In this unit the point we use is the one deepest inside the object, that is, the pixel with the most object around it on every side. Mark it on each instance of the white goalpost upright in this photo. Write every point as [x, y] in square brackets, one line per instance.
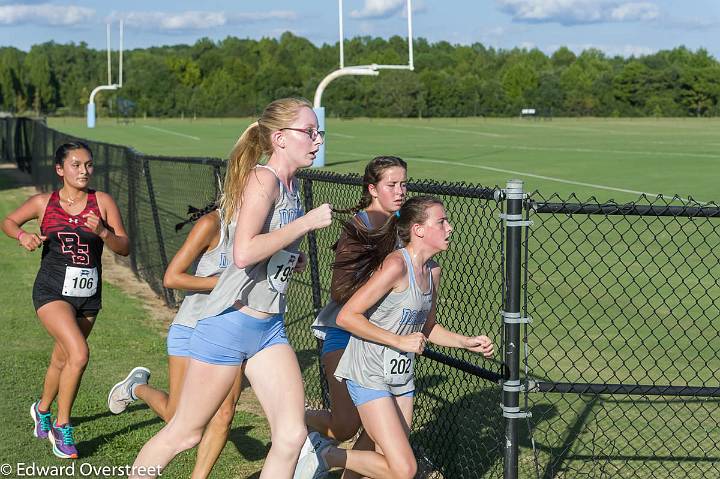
[368, 70]
[110, 85]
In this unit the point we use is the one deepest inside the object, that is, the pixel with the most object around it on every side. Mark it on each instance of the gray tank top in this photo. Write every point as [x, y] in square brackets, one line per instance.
[251, 285]
[327, 317]
[212, 263]
[377, 366]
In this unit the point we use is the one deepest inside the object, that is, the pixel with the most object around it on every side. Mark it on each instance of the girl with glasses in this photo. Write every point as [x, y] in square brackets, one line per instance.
[243, 318]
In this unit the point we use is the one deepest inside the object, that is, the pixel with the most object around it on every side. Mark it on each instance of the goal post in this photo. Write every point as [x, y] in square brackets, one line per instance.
[367, 70]
[110, 85]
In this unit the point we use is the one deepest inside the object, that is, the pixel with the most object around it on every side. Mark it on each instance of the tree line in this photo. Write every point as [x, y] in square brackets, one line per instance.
[237, 77]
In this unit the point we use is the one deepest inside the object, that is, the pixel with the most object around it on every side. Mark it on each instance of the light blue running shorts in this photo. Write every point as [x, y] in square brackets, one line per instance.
[232, 337]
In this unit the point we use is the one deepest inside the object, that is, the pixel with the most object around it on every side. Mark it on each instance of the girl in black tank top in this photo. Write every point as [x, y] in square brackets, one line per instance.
[76, 222]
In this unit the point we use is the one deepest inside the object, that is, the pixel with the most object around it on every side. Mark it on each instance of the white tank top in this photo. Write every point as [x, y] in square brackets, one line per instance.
[251, 285]
[377, 366]
[212, 263]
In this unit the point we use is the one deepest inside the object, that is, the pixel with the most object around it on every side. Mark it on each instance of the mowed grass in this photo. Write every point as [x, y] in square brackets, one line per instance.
[607, 158]
[123, 338]
[613, 300]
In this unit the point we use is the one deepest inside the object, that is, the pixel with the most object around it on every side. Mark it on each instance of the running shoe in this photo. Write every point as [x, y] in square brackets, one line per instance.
[42, 420]
[312, 464]
[61, 437]
[121, 395]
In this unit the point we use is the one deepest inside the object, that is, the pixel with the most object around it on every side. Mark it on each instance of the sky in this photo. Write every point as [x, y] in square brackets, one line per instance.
[617, 27]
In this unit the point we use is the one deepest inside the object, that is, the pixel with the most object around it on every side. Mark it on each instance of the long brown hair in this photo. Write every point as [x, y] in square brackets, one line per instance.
[376, 244]
[373, 174]
[254, 144]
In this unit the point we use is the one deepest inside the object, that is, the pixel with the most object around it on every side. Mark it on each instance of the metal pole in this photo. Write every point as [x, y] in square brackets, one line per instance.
[342, 35]
[511, 388]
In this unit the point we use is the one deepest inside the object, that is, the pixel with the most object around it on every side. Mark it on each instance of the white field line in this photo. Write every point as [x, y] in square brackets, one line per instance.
[171, 132]
[451, 130]
[529, 175]
[342, 135]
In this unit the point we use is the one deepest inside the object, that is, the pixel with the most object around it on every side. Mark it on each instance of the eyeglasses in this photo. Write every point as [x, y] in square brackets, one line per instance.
[313, 133]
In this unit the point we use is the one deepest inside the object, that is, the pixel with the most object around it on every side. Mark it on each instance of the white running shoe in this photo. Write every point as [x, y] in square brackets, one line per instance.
[311, 464]
[121, 395]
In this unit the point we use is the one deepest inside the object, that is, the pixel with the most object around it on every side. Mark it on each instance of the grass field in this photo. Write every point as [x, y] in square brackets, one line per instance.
[606, 158]
[614, 300]
[123, 338]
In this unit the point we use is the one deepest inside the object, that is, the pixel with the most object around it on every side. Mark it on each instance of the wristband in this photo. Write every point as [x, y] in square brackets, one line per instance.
[20, 234]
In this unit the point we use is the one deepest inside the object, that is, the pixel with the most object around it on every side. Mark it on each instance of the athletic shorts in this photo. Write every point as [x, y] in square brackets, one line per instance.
[178, 340]
[233, 337]
[44, 292]
[360, 395]
[335, 339]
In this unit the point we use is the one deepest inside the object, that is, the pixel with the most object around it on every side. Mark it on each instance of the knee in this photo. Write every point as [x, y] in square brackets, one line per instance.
[182, 439]
[57, 361]
[223, 418]
[290, 438]
[405, 469]
[78, 359]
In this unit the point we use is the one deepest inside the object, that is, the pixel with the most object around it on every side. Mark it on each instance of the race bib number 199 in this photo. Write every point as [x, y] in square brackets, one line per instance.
[397, 367]
[80, 282]
[279, 270]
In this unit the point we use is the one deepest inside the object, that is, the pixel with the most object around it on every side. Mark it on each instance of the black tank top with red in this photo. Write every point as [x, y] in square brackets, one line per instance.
[71, 254]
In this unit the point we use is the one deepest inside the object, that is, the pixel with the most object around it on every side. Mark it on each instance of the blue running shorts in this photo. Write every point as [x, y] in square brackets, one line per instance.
[360, 395]
[178, 340]
[335, 339]
[233, 337]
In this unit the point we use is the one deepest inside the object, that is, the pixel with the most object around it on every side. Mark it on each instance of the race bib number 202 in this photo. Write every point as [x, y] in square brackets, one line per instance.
[397, 366]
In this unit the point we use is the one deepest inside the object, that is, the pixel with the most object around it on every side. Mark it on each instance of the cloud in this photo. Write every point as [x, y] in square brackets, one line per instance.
[195, 20]
[579, 12]
[378, 9]
[44, 14]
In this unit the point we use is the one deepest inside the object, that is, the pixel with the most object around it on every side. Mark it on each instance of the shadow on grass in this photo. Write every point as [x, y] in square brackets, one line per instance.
[248, 447]
[82, 419]
[89, 448]
[465, 436]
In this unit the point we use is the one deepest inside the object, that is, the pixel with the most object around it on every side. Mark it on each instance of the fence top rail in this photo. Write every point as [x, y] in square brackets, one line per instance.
[429, 187]
[627, 209]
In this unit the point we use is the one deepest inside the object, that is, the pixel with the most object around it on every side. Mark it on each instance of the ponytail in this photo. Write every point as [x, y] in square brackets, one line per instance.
[375, 245]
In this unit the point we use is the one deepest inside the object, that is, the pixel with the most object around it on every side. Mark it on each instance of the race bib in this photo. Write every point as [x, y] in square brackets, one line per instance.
[80, 282]
[280, 268]
[398, 367]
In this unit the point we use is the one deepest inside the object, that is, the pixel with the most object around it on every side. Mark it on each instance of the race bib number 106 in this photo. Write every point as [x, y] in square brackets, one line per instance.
[80, 282]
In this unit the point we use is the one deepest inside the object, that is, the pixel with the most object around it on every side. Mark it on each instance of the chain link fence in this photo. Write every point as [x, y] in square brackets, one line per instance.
[621, 364]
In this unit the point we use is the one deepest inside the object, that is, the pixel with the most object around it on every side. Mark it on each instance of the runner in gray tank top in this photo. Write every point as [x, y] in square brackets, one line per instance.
[384, 189]
[196, 267]
[391, 317]
[243, 322]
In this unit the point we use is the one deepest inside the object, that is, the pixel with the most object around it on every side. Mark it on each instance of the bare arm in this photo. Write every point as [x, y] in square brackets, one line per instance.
[31, 209]
[250, 246]
[443, 337]
[111, 229]
[203, 236]
[391, 275]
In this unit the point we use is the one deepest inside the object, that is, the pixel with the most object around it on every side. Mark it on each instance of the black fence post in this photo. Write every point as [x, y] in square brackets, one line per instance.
[169, 297]
[512, 319]
[131, 164]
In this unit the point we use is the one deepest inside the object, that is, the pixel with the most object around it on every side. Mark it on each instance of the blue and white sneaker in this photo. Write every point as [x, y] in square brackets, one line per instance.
[63, 441]
[311, 463]
[122, 394]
